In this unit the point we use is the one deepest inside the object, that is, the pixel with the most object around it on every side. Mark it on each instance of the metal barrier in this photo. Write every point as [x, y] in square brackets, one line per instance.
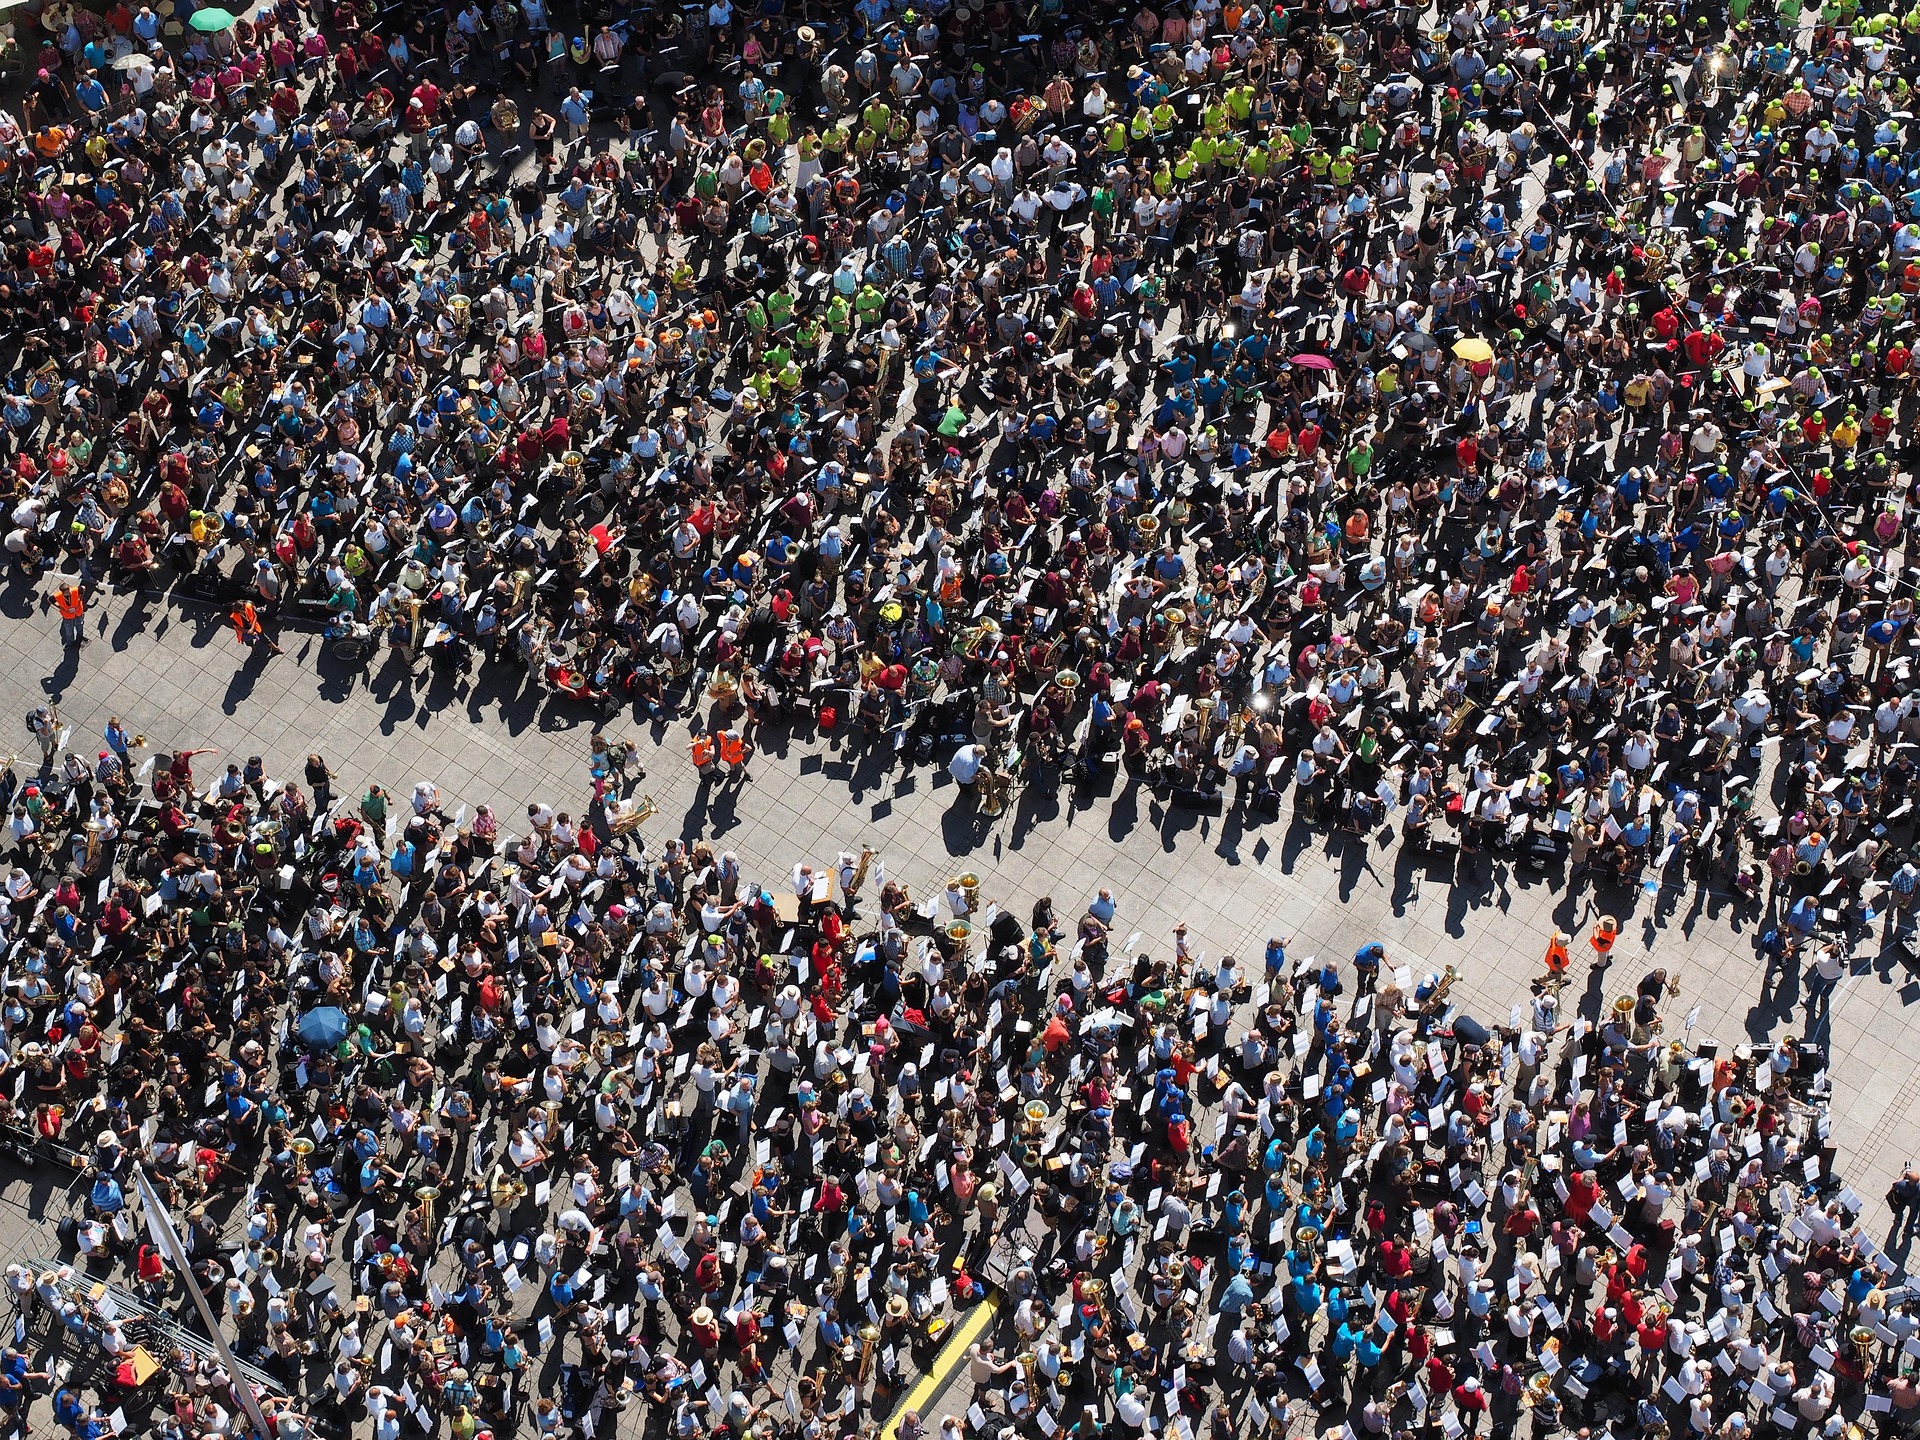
[84, 1290]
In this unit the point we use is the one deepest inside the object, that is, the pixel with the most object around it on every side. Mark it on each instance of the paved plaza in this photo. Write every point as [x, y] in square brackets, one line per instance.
[171, 671]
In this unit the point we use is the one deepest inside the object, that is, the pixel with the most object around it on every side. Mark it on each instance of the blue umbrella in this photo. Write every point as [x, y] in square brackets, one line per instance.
[325, 1026]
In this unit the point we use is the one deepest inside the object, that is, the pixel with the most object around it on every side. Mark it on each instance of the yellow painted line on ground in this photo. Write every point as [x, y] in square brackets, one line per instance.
[945, 1363]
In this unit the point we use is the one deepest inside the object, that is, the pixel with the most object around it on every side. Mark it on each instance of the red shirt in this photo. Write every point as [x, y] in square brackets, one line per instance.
[1474, 1399]
[1582, 1191]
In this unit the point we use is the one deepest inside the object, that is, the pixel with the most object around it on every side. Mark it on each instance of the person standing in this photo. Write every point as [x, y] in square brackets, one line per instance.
[71, 601]
[320, 782]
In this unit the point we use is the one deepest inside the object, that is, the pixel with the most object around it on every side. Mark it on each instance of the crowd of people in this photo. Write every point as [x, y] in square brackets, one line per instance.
[1487, 424]
[562, 1132]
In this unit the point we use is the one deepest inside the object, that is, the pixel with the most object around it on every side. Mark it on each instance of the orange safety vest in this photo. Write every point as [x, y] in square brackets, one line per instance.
[71, 602]
[702, 752]
[1602, 940]
[1556, 956]
[733, 749]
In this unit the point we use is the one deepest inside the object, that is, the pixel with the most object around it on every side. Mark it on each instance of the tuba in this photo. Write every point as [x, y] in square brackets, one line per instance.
[995, 788]
[522, 586]
[95, 839]
[980, 639]
[1461, 716]
[630, 817]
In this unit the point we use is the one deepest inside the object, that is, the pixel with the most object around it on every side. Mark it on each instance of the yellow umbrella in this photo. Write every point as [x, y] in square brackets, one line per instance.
[1473, 350]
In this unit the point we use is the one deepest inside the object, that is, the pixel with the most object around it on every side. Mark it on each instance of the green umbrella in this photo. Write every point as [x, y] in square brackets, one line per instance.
[212, 20]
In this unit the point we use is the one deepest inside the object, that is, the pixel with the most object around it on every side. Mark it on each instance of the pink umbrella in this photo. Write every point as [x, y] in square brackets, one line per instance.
[1312, 362]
